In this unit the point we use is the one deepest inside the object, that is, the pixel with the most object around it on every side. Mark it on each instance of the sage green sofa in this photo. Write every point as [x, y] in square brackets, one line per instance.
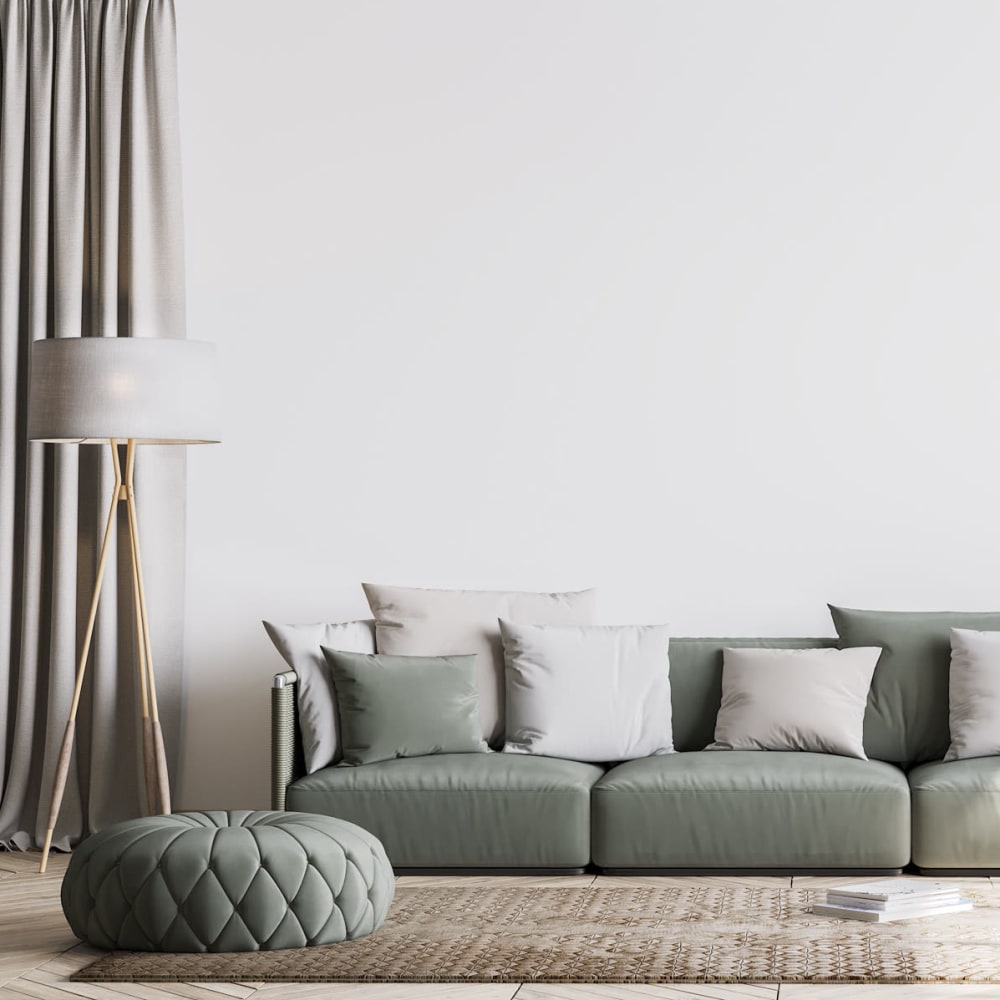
[695, 810]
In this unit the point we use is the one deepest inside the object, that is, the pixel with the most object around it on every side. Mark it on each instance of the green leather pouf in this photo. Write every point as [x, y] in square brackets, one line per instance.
[227, 881]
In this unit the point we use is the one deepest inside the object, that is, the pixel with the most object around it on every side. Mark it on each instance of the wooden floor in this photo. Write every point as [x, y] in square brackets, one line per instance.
[38, 954]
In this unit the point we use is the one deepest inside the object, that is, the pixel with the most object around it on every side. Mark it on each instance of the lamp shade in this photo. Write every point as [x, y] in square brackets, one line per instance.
[87, 390]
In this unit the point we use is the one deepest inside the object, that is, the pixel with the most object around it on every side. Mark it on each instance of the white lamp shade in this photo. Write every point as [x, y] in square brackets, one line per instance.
[88, 390]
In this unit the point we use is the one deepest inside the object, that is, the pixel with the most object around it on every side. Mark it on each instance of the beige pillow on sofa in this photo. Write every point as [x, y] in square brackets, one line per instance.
[795, 699]
[412, 621]
[974, 694]
[315, 694]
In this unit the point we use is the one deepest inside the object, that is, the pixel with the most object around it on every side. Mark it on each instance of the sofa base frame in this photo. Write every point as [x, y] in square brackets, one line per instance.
[958, 872]
[491, 871]
[849, 872]
[652, 872]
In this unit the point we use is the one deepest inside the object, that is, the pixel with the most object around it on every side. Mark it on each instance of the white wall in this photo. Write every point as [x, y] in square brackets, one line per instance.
[695, 302]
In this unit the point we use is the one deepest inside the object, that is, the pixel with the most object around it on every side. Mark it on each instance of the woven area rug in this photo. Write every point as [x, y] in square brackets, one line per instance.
[661, 934]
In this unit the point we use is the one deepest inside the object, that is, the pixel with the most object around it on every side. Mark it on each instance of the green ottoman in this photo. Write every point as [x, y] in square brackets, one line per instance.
[227, 881]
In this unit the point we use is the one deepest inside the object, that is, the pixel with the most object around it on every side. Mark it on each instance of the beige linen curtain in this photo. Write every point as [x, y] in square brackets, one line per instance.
[90, 245]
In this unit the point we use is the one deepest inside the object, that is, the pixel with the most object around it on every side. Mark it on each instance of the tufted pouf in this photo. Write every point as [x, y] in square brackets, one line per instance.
[227, 881]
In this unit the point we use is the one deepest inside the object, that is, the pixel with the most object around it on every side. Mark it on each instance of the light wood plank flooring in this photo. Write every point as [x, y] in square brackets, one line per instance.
[38, 953]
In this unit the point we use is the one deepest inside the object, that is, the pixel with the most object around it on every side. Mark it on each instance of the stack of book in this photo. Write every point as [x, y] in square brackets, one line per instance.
[892, 899]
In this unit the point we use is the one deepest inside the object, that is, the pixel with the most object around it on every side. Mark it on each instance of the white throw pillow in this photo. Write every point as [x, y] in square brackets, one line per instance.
[795, 699]
[597, 693]
[315, 695]
[974, 694]
[412, 621]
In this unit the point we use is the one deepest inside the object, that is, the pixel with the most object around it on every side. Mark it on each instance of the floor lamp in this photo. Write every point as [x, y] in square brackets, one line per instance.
[121, 391]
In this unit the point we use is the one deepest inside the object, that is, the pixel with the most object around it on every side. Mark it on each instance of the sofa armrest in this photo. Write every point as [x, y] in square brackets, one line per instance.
[285, 760]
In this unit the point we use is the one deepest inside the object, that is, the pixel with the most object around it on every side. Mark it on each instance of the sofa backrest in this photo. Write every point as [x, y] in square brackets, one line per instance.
[696, 683]
[906, 721]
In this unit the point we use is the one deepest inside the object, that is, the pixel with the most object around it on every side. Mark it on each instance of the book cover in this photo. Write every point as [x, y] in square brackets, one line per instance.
[893, 905]
[883, 917]
[892, 889]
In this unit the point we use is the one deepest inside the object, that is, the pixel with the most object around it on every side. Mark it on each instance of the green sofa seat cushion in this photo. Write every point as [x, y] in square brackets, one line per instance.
[477, 810]
[226, 881]
[751, 809]
[956, 813]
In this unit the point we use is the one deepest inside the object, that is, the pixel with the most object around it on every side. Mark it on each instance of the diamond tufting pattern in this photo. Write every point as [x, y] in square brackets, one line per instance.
[227, 881]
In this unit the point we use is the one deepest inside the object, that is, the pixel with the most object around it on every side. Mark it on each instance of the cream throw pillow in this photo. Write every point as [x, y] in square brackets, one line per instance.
[795, 699]
[595, 693]
[411, 621]
[315, 695]
[974, 694]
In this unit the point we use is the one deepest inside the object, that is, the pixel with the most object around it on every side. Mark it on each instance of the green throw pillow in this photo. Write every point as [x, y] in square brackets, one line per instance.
[907, 716]
[405, 706]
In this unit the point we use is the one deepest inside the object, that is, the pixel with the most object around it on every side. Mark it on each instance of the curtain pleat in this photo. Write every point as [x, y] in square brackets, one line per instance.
[91, 244]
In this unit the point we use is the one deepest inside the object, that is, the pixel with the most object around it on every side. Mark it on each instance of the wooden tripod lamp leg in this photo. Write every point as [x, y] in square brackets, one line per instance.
[148, 757]
[62, 766]
[146, 659]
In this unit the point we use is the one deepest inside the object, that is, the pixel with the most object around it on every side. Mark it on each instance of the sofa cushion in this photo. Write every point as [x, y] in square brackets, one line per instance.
[956, 813]
[907, 716]
[751, 809]
[463, 810]
[974, 694]
[413, 621]
[317, 701]
[405, 706]
[696, 682]
[587, 692]
[770, 699]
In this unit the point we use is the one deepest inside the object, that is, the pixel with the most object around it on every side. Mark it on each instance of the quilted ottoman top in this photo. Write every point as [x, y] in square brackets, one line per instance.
[227, 881]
